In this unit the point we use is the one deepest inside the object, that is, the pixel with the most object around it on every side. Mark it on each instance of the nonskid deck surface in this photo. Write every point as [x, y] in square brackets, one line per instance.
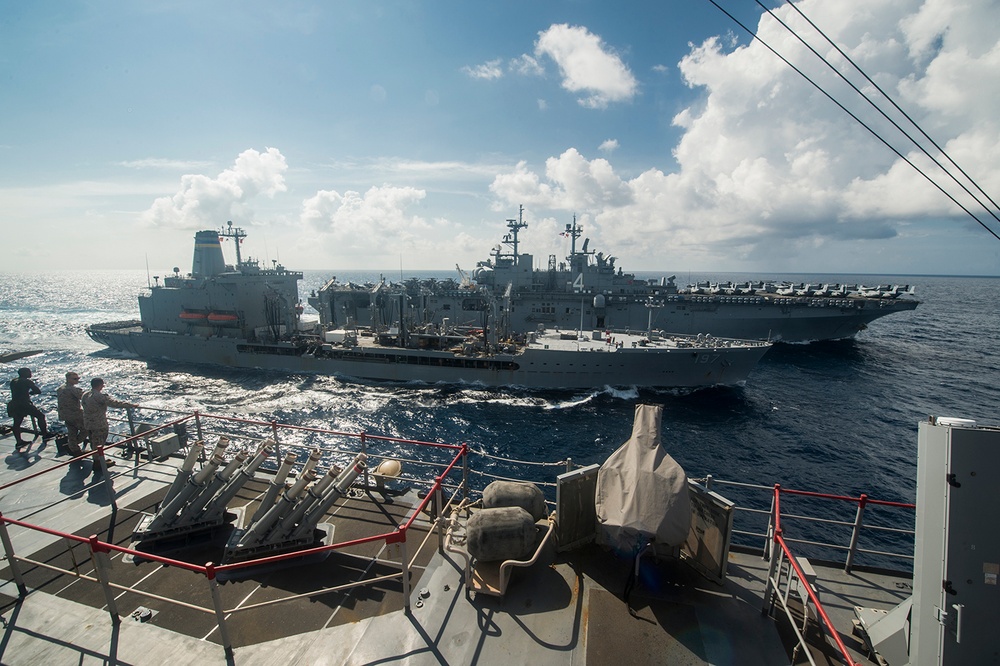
[567, 609]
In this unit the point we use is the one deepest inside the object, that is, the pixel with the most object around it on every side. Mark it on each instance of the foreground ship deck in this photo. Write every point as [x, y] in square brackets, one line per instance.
[568, 608]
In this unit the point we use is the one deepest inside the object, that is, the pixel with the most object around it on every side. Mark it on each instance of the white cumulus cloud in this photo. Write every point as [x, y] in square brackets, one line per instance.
[767, 165]
[573, 183]
[587, 65]
[202, 200]
[526, 65]
[489, 70]
[375, 222]
[608, 146]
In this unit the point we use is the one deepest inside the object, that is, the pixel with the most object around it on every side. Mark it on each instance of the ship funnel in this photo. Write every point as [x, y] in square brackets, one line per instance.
[208, 259]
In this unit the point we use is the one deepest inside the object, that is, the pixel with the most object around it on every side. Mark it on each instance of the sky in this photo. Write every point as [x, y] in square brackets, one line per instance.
[350, 135]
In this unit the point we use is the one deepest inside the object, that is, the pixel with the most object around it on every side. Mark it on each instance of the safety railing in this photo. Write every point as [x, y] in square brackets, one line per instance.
[786, 567]
[455, 460]
[858, 529]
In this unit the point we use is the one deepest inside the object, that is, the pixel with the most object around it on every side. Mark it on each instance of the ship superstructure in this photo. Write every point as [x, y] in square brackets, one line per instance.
[218, 300]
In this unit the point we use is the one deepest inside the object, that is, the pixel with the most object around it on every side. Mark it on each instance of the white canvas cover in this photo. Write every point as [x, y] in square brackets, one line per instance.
[642, 493]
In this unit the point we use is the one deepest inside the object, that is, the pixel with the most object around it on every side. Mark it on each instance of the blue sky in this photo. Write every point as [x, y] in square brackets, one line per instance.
[359, 135]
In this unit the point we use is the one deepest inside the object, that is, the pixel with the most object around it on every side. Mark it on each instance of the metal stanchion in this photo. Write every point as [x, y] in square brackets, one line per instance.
[15, 567]
[465, 471]
[102, 567]
[406, 574]
[220, 616]
[438, 517]
[856, 534]
[769, 589]
[364, 449]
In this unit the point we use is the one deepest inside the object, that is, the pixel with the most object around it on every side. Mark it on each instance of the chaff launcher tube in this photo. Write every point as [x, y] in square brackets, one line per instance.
[168, 512]
[312, 461]
[220, 447]
[184, 473]
[277, 484]
[340, 486]
[219, 503]
[260, 529]
[313, 494]
[220, 479]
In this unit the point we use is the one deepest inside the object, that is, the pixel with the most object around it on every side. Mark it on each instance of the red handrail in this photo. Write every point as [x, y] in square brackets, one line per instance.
[846, 498]
[210, 569]
[815, 599]
[780, 540]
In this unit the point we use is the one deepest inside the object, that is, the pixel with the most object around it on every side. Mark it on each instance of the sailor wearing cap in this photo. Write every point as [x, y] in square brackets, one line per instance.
[71, 412]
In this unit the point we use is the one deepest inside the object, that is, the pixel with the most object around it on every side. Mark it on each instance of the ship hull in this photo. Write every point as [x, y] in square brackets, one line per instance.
[772, 317]
[776, 319]
[536, 367]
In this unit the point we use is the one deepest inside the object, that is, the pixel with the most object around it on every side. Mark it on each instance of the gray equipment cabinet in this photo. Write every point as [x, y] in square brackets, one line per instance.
[956, 609]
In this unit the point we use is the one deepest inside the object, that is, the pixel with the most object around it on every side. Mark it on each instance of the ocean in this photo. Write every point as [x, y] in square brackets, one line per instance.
[836, 417]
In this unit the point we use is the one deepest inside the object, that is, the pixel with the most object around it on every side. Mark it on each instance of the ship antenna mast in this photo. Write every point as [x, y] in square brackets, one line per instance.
[650, 305]
[515, 226]
[573, 232]
[237, 235]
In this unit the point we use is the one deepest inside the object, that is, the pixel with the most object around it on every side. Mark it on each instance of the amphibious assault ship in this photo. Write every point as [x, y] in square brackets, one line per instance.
[589, 292]
[247, 316]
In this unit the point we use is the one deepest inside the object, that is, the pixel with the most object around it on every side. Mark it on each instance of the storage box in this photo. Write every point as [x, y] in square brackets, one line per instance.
[162, 446]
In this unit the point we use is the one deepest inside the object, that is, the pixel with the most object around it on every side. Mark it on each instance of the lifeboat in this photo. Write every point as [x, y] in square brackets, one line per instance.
[193, 317]
[223, 318]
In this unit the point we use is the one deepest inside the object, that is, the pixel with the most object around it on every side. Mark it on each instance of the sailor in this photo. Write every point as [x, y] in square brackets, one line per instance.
[95, 413]
[71, 412]
[22, 388]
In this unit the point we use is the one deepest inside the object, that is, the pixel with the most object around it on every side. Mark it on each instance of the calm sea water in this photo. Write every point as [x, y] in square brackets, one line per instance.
[834, 417]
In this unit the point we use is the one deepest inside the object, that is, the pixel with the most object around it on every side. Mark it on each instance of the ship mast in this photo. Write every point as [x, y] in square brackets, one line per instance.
[237, 234]
[577, 260]
[573, 232]
[515, 226]
[651, 304]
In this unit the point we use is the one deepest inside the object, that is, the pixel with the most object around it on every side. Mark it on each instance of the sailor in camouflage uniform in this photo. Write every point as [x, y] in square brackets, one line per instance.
[95, 412]
[71, 412]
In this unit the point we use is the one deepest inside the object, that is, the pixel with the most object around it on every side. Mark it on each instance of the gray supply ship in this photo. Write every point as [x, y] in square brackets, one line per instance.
[588, 292]
[247, 316]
